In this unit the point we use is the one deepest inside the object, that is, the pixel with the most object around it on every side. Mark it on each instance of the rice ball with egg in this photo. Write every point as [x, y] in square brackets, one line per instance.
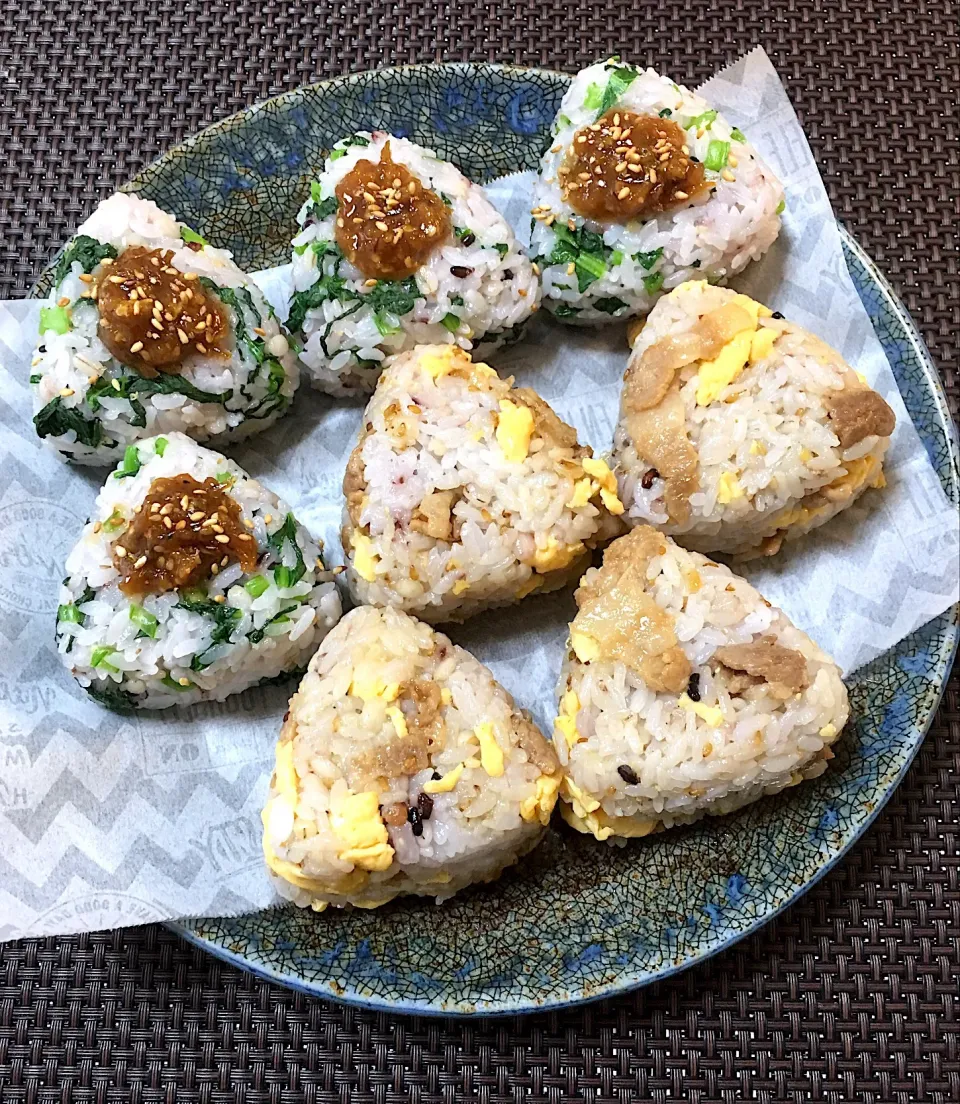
[403, 767]
[739, 429]
[464, 492]
[684, 693]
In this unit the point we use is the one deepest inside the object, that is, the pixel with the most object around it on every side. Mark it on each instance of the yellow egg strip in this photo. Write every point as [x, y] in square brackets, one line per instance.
[446, 783]
[584, 646]
[399, 721]
[514, 430]
[491, 754]
[607, 482]
[539, 805]
[712, 714]
[365, 560]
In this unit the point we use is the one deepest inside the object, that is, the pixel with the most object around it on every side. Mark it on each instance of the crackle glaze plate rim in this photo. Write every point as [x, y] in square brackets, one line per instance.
[245, 941]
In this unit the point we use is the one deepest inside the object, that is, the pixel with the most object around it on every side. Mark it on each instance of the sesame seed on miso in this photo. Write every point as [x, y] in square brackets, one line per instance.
[388, 223]
[152, 316]
[627, 166]
[178, 536]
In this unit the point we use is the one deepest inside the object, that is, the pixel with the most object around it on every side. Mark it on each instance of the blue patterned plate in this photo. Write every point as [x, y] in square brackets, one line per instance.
[576, 922]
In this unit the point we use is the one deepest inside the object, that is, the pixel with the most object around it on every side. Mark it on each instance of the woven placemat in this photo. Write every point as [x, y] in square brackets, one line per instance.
[852, 995]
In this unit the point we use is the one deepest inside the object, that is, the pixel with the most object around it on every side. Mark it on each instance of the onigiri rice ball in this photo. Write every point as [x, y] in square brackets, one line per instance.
[399, 248]
[643, 187]
[149, 329]
[403, 767]
[684, 693]
[464, 492]
[191, 582]
[739, 429]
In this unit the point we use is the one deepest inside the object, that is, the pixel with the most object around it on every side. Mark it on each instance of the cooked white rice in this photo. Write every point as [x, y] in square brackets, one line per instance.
[714, 235]
[403, 767]
[764, 435]
[638, 758]
[156, 652]
[465, 493]
[91, 406]
[476, 290]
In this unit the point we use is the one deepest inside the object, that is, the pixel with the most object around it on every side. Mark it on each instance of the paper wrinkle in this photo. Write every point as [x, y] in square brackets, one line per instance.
[107, 821]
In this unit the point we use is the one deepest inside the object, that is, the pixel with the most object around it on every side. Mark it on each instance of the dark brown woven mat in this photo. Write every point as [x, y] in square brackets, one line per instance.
[850, 996]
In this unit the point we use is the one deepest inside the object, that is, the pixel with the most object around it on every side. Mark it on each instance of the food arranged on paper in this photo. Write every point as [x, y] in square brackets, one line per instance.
[403, 766]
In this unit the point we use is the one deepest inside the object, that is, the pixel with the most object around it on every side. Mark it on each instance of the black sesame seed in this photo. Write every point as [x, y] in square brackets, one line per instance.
[648, 477]
[435, 777]
[776, 314]
[461, 271]
[507, 274]
[468, 239]
[416, 824]
[693, 687]
[628, 774]
[425, 805]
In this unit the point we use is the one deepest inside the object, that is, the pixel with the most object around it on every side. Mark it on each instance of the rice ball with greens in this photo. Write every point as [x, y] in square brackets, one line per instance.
[684, 693]
[149, 329]
[398, 248]
[738, 429]
[403, 767]
[191, 582]
[464, 492]
[644, 186]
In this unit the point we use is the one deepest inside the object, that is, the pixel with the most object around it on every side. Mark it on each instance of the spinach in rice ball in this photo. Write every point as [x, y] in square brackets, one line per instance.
[191, 582]
[149, 329]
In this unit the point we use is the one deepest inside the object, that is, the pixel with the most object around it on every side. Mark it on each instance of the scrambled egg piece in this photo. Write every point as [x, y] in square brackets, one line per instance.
[602, 827]
[567, 727]
[541, 802]
[460, 586]
[752, 307]
[566, 722]
[715, 374]
[728, 488]
[491, 754]
[278, 822]
[554, 555]
[582, 803]
[746, 347]
[442, 363]
[828, 731]
[446, 783]
[761, 343]
[528, 586]
[514, 430]
[446, 696]
[399, 721]
[355, 819]
[758, 448]
[368, 686]
[365, 560]
[712, 714]
[584, 646]
[583, 490]
[607, 482]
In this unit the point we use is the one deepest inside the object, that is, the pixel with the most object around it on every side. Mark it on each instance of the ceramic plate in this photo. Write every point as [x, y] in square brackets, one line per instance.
[576, 922]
